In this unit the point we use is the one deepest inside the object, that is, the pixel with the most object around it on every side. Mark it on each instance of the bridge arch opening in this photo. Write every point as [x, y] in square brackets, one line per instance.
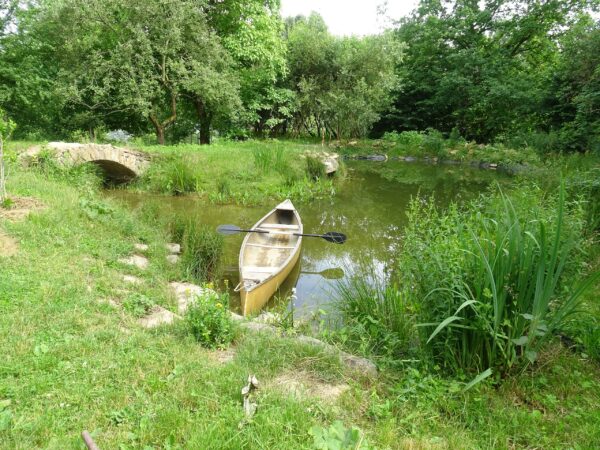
[114, 172]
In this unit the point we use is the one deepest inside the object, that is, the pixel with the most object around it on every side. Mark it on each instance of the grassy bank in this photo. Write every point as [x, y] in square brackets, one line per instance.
[251, 172]
[77, 358]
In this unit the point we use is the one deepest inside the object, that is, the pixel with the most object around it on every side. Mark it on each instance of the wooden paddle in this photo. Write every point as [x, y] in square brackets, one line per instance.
[330, 236]
[335, 273]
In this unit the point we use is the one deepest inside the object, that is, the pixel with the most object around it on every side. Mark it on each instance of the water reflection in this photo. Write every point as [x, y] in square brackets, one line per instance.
[370, 209]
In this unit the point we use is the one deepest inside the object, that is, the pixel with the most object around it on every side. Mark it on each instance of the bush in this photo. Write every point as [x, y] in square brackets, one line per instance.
[209, 320]
[495, 280]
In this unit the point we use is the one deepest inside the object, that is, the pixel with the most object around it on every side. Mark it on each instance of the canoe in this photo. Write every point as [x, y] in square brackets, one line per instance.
[266, 259]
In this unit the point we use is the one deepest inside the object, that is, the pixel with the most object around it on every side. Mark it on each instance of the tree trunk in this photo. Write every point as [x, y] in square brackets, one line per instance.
[205, 119]
[159, 126]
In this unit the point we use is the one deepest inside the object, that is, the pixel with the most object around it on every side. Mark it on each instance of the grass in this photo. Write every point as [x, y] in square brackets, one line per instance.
[247, 173]
[72, 361]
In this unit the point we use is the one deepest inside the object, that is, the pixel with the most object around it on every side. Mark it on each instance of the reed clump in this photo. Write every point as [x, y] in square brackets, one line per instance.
[202, 249]
[494, 281]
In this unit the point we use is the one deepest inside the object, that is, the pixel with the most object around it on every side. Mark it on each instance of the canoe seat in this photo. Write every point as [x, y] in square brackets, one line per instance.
[281, 247]
[280, 226]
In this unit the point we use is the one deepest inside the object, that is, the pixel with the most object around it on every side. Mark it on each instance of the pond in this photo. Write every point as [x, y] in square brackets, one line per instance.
[370, 208]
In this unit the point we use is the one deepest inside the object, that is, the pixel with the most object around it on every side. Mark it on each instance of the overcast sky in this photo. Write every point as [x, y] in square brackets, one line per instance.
[346, 17]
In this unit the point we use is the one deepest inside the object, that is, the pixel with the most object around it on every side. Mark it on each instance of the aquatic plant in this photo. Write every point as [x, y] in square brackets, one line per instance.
[376, 318]
[493, 285]
[202, 250]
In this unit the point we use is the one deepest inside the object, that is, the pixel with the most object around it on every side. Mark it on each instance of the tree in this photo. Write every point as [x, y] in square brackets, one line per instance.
[7, 126]
[481, 67]
[341, 84]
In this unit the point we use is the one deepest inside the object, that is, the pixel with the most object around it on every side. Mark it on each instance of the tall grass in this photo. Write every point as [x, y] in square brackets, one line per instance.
[315, 169]
[493, 285]
[376, 318]
[175, 175]
[202, 249]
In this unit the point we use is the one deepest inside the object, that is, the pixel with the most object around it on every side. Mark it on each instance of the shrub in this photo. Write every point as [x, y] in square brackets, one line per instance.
[209, 320]
[493, 285]
[118, 136]
[410, 139]
[433, 142]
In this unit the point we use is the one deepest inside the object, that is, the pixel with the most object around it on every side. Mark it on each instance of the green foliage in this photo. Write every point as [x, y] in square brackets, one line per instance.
[175, 175]
[376, 319]
[202, 249]
[338, 437]
[209, 320]
[315, 169]
[137, 304]
[341, 84]
[490, 287]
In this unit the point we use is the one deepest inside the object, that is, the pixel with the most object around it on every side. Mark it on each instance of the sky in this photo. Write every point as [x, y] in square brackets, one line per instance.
[347, 17]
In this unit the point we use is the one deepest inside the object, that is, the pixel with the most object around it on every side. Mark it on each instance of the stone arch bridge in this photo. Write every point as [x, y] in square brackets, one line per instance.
[118, 164]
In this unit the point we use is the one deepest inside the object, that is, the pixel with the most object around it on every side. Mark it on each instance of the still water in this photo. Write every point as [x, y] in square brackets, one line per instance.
[369, 207]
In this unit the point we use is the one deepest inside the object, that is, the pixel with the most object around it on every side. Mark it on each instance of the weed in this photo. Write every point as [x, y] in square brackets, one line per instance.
[377, 319]
[138, 304]
[7, 203]
[263, 159]
[210, 322]
[174, 175]
[338, 437]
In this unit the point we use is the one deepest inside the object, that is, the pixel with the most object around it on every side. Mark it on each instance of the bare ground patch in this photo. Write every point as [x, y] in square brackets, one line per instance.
[8, 246]
[223, 356]
[20, 208]
[303, 385]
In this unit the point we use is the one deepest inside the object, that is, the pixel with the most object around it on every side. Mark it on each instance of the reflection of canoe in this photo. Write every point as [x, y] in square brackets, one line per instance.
[266, 259]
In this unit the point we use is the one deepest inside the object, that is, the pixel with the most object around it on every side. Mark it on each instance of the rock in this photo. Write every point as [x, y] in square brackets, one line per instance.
[186, 294]
[173, 248]
[158, 316]
[141, 262]
[131, 279]
[173, 259]
[141, 247]
[301, 385]
[409, 158]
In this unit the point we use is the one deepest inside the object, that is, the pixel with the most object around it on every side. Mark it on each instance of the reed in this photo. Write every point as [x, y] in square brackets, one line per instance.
[202, 249]
[495, 289]
[315, 169]
[376, 317]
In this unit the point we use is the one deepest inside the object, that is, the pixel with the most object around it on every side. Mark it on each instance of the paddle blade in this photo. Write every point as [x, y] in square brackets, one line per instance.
[335, 237]
[228, 229]
[335, 273]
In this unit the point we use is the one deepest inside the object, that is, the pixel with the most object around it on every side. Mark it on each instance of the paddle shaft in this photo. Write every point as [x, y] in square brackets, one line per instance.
[281, 232]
